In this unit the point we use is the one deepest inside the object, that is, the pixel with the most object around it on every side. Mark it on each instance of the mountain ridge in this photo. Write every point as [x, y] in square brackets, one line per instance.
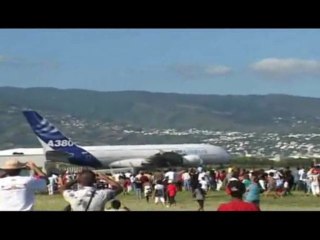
[143, 109]
[152, 92]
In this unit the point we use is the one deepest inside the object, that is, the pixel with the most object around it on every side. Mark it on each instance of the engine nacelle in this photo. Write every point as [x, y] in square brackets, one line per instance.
[192, 160]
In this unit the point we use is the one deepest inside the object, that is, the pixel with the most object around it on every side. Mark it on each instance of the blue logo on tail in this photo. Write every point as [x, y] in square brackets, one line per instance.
[52, 137]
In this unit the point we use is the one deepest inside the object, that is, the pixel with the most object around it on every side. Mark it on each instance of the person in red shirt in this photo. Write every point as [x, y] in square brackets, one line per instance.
[143, 178]
[171, 191]
[126, 185]
[237, 189]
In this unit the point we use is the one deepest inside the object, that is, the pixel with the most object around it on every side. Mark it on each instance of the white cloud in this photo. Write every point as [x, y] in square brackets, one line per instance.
[286, 66]
[217, 70]
[193, 71]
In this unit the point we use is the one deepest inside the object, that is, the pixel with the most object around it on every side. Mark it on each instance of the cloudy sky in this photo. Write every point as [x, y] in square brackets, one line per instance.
[206, 61]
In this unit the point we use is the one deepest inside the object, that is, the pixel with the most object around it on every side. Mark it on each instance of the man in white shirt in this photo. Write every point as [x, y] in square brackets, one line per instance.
[52, 182]
[158, 193]
[17, 192]
[127, 174]
[201, 175]
[87, 197]
[204, 184]
[170, 174]
[302, 183]
[186, 181]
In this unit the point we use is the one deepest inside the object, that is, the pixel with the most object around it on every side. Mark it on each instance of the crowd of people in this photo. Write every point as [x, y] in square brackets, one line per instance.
[89, 191]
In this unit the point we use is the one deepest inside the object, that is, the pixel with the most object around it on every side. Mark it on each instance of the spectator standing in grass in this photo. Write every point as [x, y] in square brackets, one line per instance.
[158, 193]
[237, 189]
[199, 195]
[253, 191]
[17, 193]
[171, 191]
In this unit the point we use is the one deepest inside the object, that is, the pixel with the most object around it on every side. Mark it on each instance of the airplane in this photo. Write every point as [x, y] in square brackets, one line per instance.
[58, 148]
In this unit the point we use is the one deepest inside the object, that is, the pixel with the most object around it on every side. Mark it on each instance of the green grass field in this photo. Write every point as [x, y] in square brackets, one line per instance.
[297, 202]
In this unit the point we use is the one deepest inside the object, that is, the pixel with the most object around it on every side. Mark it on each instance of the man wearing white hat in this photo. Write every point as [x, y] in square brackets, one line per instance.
[17, 192]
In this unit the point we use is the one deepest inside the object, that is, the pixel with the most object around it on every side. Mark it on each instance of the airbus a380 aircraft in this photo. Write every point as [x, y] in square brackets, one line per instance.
[59, 148]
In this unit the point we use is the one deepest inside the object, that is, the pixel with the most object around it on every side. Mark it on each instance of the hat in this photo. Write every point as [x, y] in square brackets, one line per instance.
[236, 187]
[13, 164]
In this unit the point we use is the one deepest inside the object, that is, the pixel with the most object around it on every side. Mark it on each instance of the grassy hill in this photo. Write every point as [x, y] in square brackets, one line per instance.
[156, 110]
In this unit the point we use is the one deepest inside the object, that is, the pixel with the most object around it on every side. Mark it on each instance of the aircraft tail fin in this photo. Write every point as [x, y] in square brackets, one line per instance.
[56, 144]
[49, 136]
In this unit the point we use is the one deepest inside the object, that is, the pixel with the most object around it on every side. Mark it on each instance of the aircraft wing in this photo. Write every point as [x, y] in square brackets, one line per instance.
[160, 159]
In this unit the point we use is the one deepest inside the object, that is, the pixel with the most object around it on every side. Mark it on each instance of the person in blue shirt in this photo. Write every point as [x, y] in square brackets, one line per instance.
[253, 191]
[246, 180]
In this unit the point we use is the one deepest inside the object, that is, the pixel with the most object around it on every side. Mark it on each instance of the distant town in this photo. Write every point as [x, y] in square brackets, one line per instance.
[270, 145]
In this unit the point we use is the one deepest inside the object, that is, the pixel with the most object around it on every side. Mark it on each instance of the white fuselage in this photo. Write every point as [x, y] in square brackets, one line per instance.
[137, 155]
[134, 155]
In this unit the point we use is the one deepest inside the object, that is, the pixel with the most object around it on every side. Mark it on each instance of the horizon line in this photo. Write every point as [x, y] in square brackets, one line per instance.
[160, 92]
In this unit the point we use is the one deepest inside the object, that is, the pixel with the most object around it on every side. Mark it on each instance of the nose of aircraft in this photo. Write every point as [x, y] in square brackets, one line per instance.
[227, 156]
[222, 155]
